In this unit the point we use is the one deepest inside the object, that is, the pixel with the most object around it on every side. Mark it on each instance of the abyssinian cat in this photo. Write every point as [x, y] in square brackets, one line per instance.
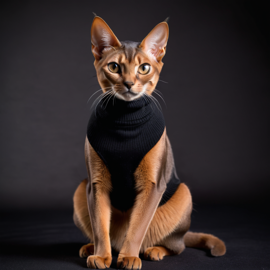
[133, 200]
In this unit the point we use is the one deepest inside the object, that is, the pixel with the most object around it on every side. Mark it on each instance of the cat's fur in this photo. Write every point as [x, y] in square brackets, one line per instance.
[145, 228]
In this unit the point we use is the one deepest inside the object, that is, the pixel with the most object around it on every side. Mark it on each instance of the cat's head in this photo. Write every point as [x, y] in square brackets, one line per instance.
[128, 69]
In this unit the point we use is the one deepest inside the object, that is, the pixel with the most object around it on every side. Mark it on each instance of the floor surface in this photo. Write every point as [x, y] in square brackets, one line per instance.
[50, 240]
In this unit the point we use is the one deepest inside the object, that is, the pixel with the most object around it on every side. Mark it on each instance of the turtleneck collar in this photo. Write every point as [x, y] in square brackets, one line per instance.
[118, 112]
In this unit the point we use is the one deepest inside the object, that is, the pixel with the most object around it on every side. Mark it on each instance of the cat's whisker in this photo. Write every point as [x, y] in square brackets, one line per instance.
[155, 102]
[96, 100]
[96, 107]
[100, 96]
[114, 95]
[162, 81]
[151, 98]
[160, 97]
[97, 91]
[145, 98]
[106, 98]
[93, 95]
[156, 90]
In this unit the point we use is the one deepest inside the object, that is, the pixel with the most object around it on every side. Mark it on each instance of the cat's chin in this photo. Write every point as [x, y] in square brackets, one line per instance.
[127, 96]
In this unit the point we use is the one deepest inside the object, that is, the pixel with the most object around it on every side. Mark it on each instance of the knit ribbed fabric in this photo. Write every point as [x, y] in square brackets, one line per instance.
[122, 133]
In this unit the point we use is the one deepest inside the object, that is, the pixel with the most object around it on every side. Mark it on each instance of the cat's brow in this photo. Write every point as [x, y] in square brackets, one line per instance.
[138, 59]
[121, 58]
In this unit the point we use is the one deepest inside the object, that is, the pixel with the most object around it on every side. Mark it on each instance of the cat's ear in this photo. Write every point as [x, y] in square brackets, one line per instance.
[102, 37]
[156, 41]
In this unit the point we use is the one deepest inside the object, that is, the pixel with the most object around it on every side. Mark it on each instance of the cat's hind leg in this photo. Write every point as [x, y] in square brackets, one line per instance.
[157, 253]
[170, 245]
[165, 235]
[176, 237]
[81, 218]
[175, 243]
[86, 250]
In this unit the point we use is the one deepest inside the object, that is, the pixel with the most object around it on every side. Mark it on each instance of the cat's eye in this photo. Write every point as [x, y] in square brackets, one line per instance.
[113, 67]
[144, 69]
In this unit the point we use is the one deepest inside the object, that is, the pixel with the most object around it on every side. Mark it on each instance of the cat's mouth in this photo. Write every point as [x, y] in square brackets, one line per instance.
[129, 92]
[127, 95]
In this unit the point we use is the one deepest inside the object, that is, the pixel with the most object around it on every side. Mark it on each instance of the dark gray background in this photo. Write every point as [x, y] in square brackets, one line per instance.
[217, 115]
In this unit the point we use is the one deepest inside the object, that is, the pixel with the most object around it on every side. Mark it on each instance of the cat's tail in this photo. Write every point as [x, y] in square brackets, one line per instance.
[203, 240]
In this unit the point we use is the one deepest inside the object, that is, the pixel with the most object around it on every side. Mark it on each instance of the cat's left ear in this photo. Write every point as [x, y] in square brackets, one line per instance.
[156, 41]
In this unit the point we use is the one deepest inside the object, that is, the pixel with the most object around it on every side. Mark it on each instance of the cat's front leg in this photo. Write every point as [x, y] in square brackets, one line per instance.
[150, 186]
[99, 210]
[141, 217]
[99, 207]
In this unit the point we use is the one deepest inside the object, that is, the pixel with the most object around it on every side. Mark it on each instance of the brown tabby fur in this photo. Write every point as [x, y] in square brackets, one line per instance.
[145, 228]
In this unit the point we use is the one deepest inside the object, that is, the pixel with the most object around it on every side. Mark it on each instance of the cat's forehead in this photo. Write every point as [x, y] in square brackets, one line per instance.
[128, 53]
[130, 49]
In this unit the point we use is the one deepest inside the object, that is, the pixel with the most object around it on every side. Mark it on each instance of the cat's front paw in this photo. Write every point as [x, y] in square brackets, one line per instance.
[97, 262]
[126, 262]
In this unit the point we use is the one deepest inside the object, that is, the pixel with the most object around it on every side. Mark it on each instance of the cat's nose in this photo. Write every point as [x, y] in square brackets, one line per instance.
[128, 84]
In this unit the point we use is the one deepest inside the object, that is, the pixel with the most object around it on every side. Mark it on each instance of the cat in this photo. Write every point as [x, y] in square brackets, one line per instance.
[133, 200]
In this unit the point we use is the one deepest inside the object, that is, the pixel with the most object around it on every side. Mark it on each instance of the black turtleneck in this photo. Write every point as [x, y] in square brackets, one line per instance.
[122, 133]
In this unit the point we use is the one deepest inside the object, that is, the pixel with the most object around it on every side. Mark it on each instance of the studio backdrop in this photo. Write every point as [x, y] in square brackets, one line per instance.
[215, 83]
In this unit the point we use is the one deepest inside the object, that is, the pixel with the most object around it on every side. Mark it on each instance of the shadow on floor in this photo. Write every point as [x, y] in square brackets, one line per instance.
[68, 252]
[60, 252]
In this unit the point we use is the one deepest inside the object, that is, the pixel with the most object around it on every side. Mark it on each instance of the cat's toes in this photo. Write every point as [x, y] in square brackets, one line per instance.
[154, 254]
[129, 263]
[86, 250]
[97, 262]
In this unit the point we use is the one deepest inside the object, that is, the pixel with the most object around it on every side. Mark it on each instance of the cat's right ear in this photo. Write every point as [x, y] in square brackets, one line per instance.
[102, 38]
